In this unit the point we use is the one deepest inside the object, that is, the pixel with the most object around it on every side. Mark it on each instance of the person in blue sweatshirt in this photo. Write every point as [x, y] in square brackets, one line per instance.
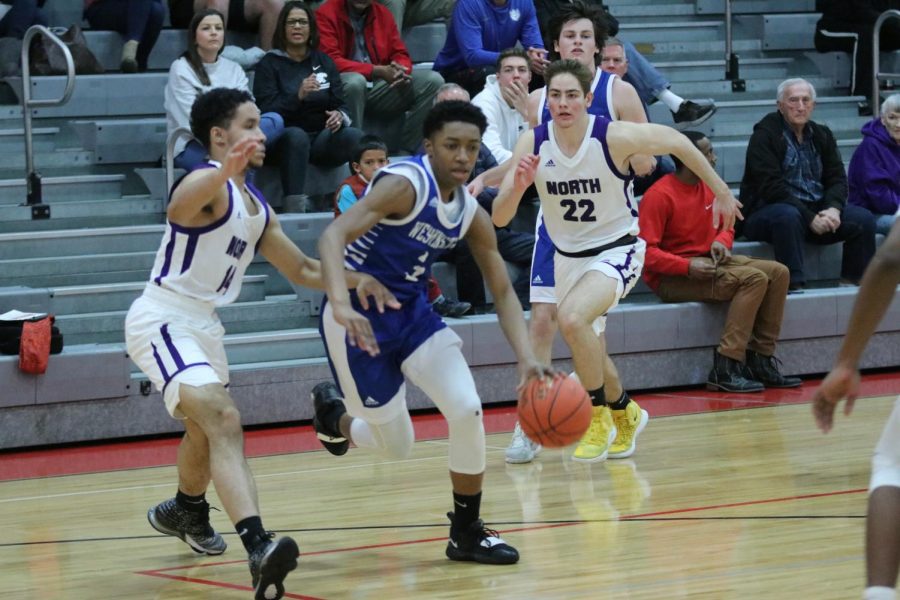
[479, 30]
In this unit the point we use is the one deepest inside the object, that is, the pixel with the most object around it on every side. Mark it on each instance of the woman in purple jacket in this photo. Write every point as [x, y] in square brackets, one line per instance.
[874, 174]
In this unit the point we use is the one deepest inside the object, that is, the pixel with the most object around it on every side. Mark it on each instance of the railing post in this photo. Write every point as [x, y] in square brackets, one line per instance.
[876, 59]
[34, 196]
[170, 155]
[732, 63]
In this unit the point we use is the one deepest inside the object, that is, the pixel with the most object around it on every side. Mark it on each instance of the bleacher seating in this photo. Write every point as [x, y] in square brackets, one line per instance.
[99, 154]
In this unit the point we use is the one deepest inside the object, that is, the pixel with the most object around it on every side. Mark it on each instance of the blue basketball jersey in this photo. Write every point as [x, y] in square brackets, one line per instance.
[601, 105]
[399, 252]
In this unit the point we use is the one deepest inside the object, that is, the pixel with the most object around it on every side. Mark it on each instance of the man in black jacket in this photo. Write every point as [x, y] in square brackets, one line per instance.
[795, 188]
[847, 27]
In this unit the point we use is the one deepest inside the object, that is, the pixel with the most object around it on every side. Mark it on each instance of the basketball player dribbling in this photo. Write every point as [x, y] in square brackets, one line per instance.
[579, 164]
[414, 210]
[876, 291]
[216, 222]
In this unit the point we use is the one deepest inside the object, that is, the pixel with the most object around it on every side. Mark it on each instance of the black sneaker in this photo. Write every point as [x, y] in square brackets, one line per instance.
[451, 308]
[329, 407]
[270, 562]
[192, 528]
[691, 114]
[479, 544]
[728, 375]
[765, 369]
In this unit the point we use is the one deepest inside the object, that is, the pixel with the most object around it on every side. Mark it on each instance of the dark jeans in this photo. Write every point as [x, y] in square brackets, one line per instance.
[514, 246]
[850, 37]
[22, 15]
[783, 226]
[139, 20]
[325, 149]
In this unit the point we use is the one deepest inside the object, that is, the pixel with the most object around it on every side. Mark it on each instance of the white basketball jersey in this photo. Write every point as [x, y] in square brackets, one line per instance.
[586, 201]
[208, 263]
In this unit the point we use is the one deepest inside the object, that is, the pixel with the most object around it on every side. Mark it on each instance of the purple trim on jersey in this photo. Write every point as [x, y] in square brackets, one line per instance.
[211, 226]
[167, 263]
[189, 250]
[629, 198]
[264, 206]
[176, 356]
[541, 135]
[195, 168]
[598, 132]
[159, 363]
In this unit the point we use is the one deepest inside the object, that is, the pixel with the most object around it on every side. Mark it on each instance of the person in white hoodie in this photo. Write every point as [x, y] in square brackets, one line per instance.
[198, 70]
[504, 101]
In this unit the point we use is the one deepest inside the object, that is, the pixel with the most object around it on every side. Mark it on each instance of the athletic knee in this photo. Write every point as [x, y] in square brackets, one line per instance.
[467, 445]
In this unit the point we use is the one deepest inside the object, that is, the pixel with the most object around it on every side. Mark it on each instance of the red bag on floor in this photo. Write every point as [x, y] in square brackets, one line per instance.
[34, 349]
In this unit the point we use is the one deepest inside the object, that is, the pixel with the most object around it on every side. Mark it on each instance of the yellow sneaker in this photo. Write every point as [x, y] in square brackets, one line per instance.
[594, 445]
[629, 424]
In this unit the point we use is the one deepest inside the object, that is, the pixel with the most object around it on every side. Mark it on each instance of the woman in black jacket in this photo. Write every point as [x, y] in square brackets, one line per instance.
[303, 85]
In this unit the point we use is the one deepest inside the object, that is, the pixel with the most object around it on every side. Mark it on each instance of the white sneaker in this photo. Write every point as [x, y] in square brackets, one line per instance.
[521, 449]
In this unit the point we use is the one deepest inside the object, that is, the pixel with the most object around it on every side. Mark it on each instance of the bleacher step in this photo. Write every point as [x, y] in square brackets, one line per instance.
[85, 213]
[72, 188]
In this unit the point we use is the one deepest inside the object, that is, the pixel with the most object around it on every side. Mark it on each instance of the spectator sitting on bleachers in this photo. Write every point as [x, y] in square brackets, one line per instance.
[138, 21]
[302, 84]
[478, 31]
[371, 154]
[795, 190]
[200, 69]
[688, 260]
[20, 15]
[613, 59]
[364, 42]
[504, 101]
[874, 173]
[847, 27]
[409, 13]
[647, 81]
[515, 247]
[240, 15]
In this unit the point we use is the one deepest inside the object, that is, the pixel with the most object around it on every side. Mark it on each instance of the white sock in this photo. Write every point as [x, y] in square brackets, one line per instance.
[879, 593]
[673, 101]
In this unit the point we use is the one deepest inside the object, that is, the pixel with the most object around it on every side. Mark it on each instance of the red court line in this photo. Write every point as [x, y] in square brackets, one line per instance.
[164, 572]
[103, 457]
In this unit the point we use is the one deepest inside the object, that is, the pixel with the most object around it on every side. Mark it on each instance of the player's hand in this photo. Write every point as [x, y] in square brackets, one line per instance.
[307, 86]
[701, 268]
[334, 120]
[359, 330]
[642, 164]
[532, 369]
[369, 286]
[526, 170]
[238, 156]
[726, 210]
[719, 253]
[841, 383]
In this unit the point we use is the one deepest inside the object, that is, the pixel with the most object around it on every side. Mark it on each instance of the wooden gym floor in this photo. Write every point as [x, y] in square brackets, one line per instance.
[728, 496]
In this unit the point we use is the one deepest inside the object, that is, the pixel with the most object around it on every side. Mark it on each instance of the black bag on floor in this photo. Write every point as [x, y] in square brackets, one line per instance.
[11, 337]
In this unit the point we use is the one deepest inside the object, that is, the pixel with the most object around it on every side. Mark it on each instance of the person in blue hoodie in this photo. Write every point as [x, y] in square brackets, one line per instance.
[479, 30]
[874, 173]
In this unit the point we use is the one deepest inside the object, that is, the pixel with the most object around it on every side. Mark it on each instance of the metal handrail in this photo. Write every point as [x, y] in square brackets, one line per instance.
[732, 63]
[876, 59]
[170, 154]
[32, 178]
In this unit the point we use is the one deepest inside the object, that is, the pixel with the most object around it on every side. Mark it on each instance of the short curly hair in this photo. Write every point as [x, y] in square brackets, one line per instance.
[215, 108]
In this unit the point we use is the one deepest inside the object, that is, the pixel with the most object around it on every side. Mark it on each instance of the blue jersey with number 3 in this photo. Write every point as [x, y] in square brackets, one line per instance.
[399, 252]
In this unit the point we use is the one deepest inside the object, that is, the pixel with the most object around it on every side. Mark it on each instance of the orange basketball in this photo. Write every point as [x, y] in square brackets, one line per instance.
[554, 413]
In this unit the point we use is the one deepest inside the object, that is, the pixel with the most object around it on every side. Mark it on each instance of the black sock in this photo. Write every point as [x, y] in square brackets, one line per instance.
[251, 532]
[465, 510]
[622, 402]
[190, 503]
[598, 396]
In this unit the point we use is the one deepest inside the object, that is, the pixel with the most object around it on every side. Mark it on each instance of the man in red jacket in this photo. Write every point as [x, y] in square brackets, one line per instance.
[364, 41]
[687, 259]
